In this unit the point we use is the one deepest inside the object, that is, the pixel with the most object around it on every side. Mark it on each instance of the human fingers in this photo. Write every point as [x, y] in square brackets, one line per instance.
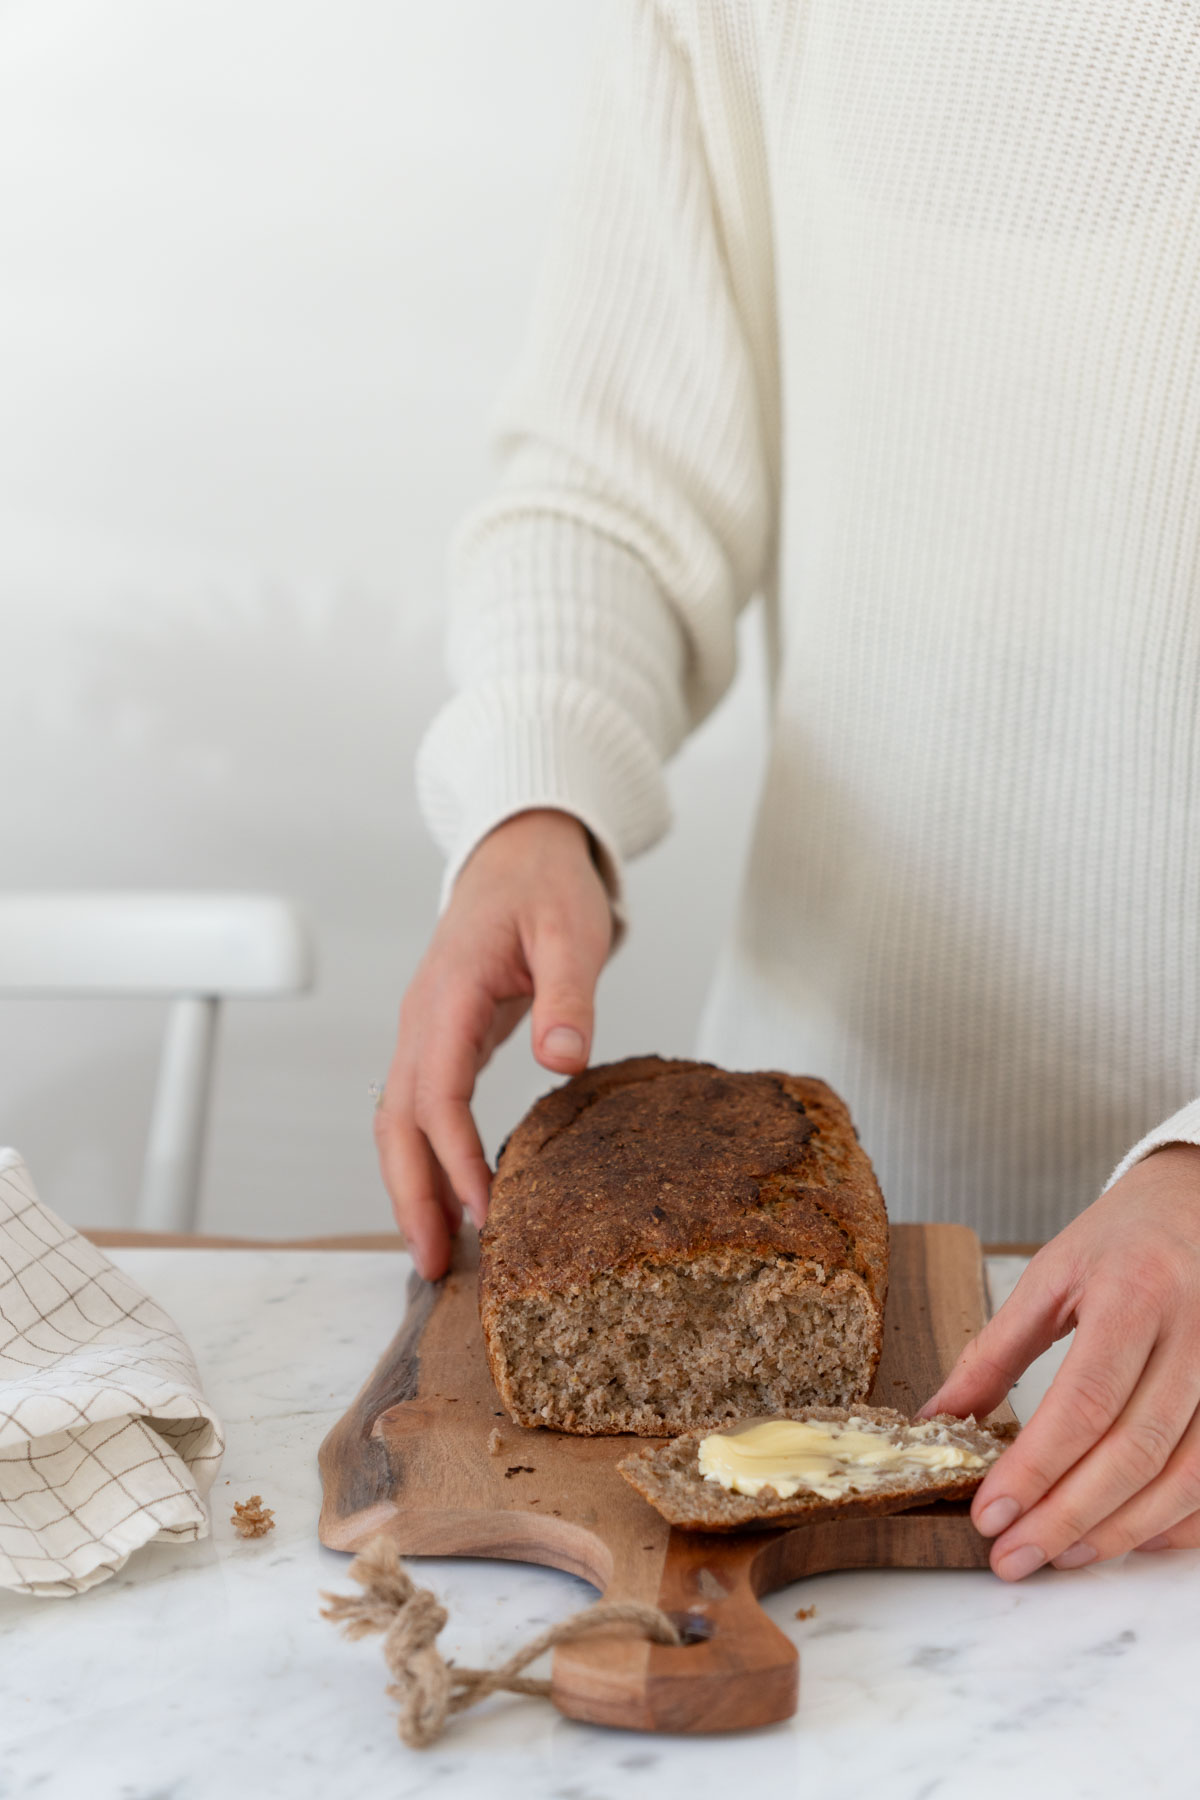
[1126, 1461]
[426, 1213]
[1162, 1512]
[450, 1203]
[1031, 1319]
[506, 1017]
[1085, 1398]
[566, 949]
[1183, 1536]
[443, 1084]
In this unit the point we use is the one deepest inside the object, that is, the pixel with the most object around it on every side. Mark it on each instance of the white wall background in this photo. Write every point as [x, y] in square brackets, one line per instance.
[263, 265]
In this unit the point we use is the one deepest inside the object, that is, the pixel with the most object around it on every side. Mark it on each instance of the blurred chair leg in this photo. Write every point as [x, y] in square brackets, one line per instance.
[174, 1151]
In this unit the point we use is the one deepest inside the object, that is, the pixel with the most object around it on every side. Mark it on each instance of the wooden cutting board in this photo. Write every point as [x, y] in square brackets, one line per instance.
[410, 1459]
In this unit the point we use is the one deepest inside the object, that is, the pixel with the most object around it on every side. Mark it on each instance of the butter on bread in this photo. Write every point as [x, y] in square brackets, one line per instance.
[895, 1471]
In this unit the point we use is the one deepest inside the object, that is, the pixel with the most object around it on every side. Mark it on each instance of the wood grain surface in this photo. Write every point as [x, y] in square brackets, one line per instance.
[126, 1238]
[122, 1238]
[411, 1458]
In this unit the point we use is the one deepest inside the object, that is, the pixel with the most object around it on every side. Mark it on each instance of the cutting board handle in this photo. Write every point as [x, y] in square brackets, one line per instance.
[735, 1671]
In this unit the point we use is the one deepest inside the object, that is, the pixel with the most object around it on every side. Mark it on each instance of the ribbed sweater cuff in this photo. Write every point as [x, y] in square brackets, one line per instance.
[1182, 1127]
[518, 742]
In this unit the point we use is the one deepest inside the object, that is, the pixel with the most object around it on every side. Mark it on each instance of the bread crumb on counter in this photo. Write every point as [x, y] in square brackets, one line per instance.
[806, 1612]
[251, 1519]
[495, 1442]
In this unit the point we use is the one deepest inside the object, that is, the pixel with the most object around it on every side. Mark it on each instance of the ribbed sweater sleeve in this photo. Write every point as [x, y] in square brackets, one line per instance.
[594, 593]
[1183, 1127]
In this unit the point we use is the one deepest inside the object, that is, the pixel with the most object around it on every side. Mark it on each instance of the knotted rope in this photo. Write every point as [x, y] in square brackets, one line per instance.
[429, 1690]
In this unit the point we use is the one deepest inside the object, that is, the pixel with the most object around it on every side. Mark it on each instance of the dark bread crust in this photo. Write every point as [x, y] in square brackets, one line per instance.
[649, 1162]
[668, 1476]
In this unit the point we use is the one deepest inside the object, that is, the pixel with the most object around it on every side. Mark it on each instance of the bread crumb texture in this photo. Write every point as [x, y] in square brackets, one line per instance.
[671, 1245]
[251, 1519]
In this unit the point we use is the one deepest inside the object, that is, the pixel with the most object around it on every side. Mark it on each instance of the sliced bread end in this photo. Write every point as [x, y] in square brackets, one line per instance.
[668, 1476]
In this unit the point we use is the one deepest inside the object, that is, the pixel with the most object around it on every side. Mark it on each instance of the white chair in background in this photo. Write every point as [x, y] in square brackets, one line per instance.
[195, 950]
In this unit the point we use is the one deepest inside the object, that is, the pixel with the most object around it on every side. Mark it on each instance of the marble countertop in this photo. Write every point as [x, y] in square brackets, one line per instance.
[204, 1672]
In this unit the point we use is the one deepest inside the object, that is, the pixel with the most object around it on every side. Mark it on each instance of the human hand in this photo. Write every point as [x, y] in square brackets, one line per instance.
[1110, 1460]
[528, 924]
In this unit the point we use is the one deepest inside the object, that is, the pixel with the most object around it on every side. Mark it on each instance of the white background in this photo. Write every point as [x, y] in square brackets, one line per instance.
[263, 267]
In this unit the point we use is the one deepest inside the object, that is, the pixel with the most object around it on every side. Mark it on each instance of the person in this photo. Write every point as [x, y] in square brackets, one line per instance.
[890, 316]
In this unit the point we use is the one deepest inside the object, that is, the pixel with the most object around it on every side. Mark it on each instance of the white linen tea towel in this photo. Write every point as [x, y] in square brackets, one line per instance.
[106, 1441]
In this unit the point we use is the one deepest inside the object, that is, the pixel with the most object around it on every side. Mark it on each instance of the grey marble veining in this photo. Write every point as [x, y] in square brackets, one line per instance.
[203, 1672]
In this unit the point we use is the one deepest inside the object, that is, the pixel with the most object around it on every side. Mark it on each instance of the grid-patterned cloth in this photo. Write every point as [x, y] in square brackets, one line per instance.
[106, 1441]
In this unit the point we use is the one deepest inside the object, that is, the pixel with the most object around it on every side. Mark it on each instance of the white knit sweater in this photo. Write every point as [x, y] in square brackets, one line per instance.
[890, 312]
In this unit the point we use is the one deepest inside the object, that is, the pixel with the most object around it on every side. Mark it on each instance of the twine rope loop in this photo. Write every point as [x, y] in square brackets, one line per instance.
[427, 1689]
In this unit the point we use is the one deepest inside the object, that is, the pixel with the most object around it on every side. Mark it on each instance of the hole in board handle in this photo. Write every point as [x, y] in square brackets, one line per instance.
[692, 1627]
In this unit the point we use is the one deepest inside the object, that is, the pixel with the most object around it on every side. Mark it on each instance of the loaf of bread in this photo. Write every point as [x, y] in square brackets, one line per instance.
[673, 1245]
[670, 1478]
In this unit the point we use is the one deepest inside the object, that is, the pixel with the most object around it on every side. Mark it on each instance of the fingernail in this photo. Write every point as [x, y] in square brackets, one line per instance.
[563, 1041]
[929, 1409]
[1161, 1542]
[997, 1516]
[1019, 1563]
[1076, 1556]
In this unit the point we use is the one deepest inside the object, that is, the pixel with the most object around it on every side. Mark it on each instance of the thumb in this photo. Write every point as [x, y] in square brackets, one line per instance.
[999, 1355]
[565, 964]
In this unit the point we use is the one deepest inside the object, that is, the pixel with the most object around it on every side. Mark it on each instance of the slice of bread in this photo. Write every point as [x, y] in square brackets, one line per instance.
[668, 1476]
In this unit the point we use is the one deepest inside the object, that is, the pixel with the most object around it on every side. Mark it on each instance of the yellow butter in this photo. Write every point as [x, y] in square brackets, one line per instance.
[824, 1457]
